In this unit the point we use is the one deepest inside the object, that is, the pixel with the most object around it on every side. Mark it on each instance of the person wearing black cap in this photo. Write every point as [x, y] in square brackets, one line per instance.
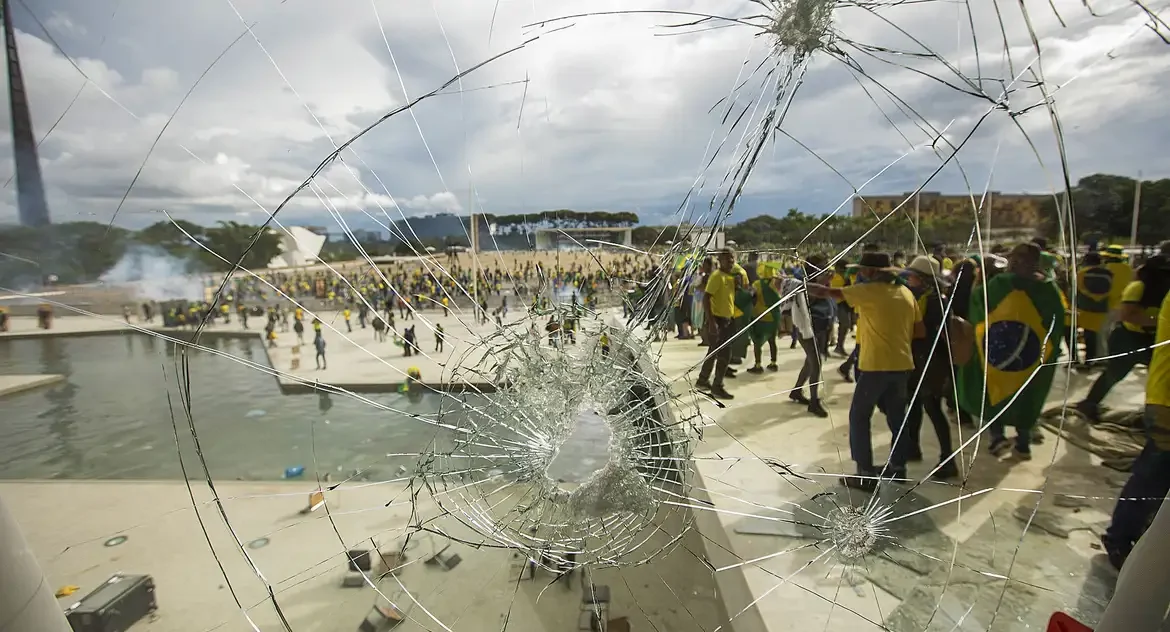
[888, 322]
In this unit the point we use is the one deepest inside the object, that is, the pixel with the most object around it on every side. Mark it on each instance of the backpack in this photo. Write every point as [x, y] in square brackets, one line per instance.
[961, 334]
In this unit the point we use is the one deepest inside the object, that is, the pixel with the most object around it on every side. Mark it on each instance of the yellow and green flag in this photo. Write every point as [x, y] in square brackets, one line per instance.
[1094, 286]
[1018, 329]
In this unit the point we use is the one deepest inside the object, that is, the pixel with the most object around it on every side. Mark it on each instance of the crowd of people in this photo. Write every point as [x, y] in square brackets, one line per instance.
[980, 335]
[387, 296]
[942, 336]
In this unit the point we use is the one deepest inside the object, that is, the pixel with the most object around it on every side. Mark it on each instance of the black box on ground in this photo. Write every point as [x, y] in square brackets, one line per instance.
[114, 606]
[359, 560]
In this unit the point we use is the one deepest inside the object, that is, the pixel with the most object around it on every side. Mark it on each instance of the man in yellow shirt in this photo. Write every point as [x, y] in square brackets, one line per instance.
[845, 317]
[888, 323]
[1149, 481]
[1132, 337]
[719, 319]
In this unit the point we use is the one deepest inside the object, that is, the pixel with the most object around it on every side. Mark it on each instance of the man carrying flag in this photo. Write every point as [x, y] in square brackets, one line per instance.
[1131, 339]
[766, 315]
[1019, 321]
[1094, 286]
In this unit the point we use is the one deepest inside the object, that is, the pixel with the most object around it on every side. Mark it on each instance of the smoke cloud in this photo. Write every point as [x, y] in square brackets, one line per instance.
[154, 274]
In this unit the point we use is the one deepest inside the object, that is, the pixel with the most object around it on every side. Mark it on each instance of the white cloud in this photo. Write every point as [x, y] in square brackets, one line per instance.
[443, 202]
[608, 113]
[59, 23]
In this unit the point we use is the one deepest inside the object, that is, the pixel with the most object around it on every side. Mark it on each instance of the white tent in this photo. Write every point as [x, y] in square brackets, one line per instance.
[298, 247]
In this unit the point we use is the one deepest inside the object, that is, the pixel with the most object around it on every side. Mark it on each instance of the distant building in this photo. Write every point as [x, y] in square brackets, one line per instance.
[706, 237]
[583, 238]
[1008, 210]
[298, 247]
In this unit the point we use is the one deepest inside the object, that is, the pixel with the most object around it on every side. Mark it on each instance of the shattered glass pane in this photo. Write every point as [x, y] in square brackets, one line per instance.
[291, 324]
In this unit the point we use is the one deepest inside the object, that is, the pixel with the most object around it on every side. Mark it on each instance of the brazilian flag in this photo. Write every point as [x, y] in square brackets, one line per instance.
[765, 327]
[1094, 285]
[1017, 336]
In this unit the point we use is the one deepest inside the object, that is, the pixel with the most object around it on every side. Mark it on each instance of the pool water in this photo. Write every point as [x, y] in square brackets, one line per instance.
[112, 416]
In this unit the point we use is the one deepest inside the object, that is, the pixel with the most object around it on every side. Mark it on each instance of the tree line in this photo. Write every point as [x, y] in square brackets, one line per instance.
[79, 252]
[1101, 205]
[819, 231]
[1102, 208]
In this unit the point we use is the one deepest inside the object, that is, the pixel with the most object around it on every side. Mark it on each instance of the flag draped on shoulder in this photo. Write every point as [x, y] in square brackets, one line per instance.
[765, 316]
[1018, 327]
[1094, 286]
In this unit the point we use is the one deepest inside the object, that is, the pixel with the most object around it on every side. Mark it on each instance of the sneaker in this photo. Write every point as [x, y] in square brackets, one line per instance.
[946, 471]
[1037, 436]
[703, 383]
[719, 393]
[773, 368]
[895, 474]
[737, 360]
[1000, 447]
[756, 369]
[1116, 554]
[840, 352]
[817, 409]
[863, 481]
[798, 397]
[845, 373]
[1016, 455]
[730, 374]
[1091, 411]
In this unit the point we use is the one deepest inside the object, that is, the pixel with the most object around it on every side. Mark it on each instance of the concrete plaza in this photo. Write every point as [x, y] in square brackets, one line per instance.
[955, 557]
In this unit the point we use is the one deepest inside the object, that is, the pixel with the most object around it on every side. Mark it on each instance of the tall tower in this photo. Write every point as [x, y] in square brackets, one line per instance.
[30, 189]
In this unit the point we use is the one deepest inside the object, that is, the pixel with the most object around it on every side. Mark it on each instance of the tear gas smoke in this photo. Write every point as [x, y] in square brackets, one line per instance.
[153, 273]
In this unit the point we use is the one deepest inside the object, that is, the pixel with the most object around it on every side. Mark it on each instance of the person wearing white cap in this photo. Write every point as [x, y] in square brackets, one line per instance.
[932, 360]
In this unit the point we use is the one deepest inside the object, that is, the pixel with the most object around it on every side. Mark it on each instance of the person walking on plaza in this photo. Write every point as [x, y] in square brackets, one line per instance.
[845, 318]
[348, 326]
[319, 345]
[1018, 318]
[719, 318]
[1133, 335]
[409, 346]
[379, 326]
[888, 323]
[931, 380]
[1094, 286]
[765, 316]
[438, 338]
[811, 328]
[1149, 480]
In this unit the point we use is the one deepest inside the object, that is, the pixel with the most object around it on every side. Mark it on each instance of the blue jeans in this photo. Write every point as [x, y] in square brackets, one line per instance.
[1142, 495]
[889, 390]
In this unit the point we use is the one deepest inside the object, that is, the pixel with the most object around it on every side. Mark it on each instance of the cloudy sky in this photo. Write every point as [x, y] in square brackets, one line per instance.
[613, 112]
